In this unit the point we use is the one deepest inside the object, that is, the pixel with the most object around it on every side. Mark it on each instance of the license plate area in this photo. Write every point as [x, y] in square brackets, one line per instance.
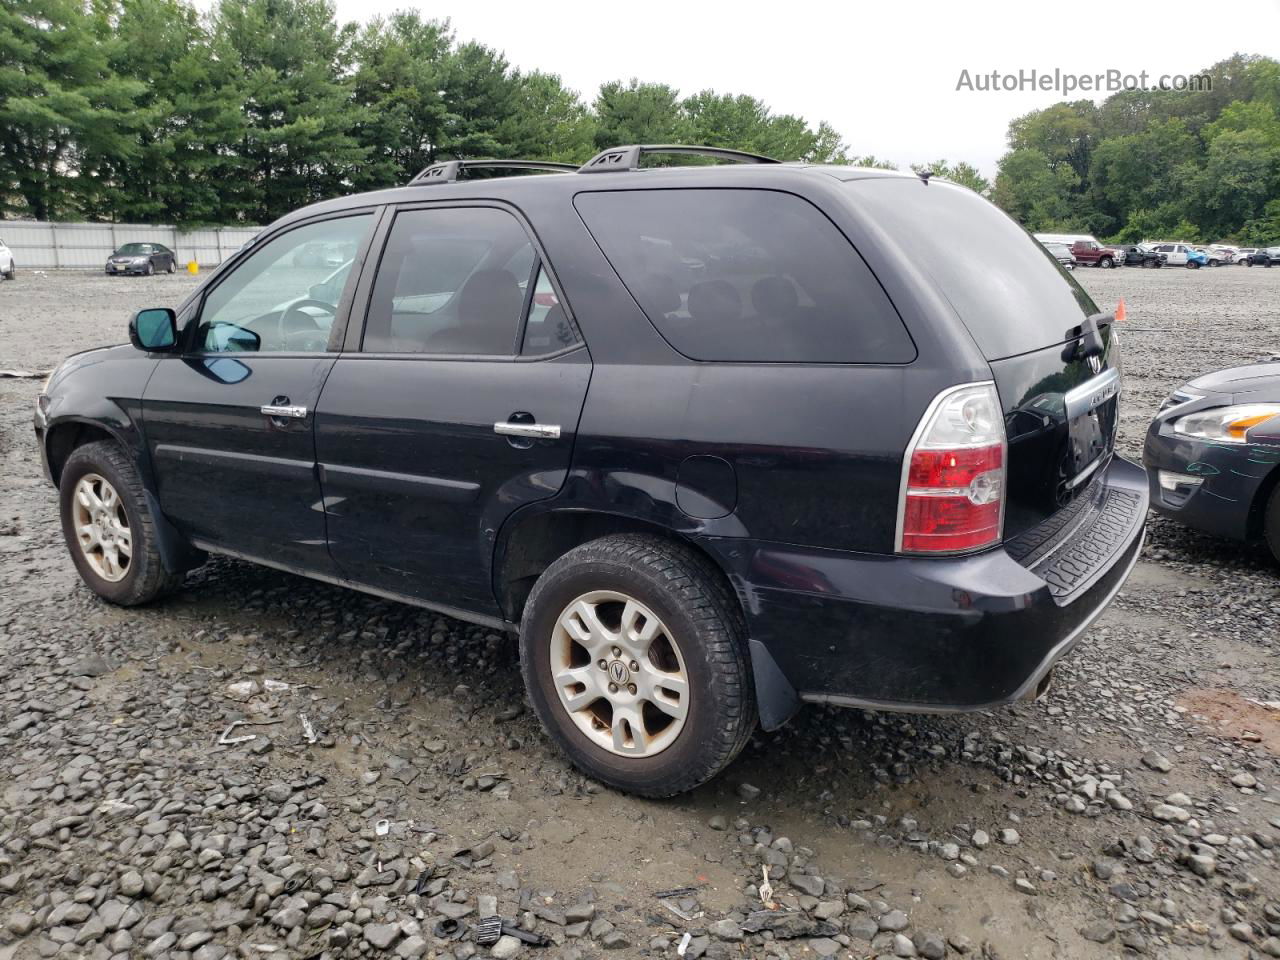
[1092, 410]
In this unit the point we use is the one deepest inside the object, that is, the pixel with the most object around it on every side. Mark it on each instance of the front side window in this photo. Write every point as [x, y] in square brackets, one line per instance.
[746, 276]
[451, 281]
[278, 302]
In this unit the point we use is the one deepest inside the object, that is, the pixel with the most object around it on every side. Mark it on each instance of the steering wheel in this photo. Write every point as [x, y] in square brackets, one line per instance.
[283, 332]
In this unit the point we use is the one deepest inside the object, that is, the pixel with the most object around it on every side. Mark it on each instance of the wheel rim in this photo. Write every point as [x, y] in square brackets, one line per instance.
[102, 527]
[619, 674]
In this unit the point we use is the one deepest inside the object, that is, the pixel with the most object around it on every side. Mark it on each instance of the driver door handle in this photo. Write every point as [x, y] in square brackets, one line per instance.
[292, 412]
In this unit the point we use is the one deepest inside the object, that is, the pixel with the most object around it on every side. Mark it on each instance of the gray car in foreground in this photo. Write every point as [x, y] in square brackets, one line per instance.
[1212, 454]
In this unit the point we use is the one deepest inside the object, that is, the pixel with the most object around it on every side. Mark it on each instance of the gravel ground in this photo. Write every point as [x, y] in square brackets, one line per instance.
[1133, 810]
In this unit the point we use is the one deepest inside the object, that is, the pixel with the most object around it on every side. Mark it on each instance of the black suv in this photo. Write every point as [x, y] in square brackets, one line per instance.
[714, 439]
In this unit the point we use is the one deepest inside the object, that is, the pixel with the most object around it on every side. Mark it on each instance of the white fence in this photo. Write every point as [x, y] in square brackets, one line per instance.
[78, 246]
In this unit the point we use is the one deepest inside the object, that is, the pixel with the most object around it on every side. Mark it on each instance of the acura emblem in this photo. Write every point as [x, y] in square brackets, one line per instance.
[619, 673]
[1095, 363]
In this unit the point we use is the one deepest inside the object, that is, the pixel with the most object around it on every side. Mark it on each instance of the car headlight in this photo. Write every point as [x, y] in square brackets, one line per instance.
[1226, 424]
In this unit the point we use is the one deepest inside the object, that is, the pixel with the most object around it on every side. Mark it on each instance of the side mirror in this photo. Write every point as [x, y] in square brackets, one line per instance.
[154, 330]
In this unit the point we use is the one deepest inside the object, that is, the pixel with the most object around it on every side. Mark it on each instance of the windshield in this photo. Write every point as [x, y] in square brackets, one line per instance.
[134, 249]
[1007, 289]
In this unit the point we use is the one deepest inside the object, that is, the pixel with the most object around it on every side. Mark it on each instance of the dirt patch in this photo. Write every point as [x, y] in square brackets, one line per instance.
[1237, 717]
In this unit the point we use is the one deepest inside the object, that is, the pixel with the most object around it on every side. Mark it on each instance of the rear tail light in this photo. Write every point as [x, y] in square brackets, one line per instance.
[953, 490]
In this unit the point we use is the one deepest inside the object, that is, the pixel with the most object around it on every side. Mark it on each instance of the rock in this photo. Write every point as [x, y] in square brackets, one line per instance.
[1023, 885]
[506, 947]
[1119, 801]
[382, 935]
[902, 947]
[981, 839]
[131, 884]
[824, 946]
[725, 930]
[1244, 780]
[92, 666]
[1156, 762]
[19, 923]
[1100, 931]
[718, 823]
[893, 921]
[412, 947]
[931, 946]
[1202, 865]
[806, 883]
[863, 928]
[1270, 946]
[949, 851]
[960, 943]
[580, 913]
[828, 910]
[1242, 932]
[1168, 813]
[748, 791]
[615, 940]
[1009, 837]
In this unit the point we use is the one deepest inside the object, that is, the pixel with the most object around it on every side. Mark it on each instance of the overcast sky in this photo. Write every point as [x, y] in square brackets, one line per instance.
[884, 75]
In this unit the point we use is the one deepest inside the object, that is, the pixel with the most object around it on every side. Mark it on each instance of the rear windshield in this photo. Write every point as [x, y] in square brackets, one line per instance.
[746, 276]
[1008, 290]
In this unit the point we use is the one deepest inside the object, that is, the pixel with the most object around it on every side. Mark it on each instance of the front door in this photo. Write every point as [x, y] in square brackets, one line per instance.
[229, 421]
[460, 405]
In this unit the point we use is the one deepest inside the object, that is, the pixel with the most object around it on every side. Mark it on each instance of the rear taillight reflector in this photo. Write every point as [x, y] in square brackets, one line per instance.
[952, 496]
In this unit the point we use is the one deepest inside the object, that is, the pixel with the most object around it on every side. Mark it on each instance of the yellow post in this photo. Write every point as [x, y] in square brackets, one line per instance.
[193, 268]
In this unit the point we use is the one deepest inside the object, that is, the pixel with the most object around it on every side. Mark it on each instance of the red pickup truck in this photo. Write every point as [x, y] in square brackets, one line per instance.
[1093, 254]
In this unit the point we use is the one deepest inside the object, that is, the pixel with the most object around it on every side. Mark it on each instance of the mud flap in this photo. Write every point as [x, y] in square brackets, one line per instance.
[776, 700]
[177, 555]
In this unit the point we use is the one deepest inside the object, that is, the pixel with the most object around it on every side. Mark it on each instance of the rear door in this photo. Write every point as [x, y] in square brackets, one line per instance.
[1027, 318]
[458, 403]
[229, 422]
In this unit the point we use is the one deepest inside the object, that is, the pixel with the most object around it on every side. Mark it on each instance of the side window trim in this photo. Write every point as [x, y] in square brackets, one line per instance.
[188, 332]
[353, 342]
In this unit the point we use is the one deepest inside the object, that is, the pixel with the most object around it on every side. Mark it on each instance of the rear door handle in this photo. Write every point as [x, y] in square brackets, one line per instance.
[285, 410]
[542, 431]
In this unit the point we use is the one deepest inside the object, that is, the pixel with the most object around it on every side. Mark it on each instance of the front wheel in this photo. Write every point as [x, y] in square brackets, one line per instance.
[634, 656]
[1193, 265]
[171, 267]
[11, 272]
[149, 269]
[1106, 263]
[109, 528]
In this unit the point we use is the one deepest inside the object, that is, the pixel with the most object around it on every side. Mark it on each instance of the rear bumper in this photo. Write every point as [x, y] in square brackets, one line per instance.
[936, 635]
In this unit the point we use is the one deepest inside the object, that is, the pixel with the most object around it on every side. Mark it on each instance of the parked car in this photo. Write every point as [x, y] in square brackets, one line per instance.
[1181, 255]
[669, 497]
[1264, 258]
[8, 268]
[143, 258]
[1062, 253]
[1220, 255]
[1136, 255]
[1093, 254]
[1243, 255]
[1212, 452]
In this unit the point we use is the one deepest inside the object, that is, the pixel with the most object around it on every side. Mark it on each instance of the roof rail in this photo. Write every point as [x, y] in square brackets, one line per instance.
[628, 158]
[447, 171]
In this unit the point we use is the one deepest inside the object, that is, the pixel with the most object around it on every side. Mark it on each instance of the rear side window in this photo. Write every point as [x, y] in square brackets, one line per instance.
[746, 276]
[451, 281]
[1010, 295]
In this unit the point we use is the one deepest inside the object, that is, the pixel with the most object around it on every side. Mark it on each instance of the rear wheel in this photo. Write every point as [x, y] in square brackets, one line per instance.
[634, 657]
[171, 267]
[108, 527]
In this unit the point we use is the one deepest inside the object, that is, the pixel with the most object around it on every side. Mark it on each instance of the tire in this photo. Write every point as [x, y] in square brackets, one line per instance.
[1213, 263]
[1267, 264]
[1193, 265]
[143, 575]
[1148, 264]
[149, 269]
[1106, 263]
[11, 272]
[171, 266]
[705, 643]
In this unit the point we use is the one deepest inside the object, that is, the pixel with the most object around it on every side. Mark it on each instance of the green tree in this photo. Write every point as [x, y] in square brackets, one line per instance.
[296, 145]
[962, 173]
[638, 112]
[397, 88]
[1035, 192]
[59, 100]
[548, 121]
